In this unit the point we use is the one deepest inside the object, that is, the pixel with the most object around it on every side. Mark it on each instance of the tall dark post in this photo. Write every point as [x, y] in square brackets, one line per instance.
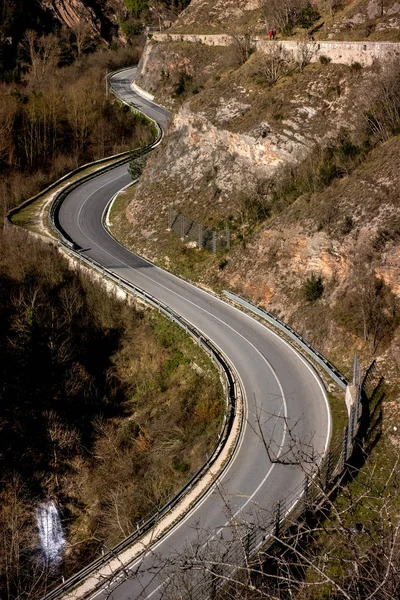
[228, 238]
[182, 227]
[278, 520]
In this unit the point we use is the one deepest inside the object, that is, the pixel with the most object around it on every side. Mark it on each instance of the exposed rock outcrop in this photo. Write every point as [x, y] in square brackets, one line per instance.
[101, 16]
[207, 15]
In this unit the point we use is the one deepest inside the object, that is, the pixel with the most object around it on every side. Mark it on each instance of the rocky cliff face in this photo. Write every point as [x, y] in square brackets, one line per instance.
[101, 15]
[239, 132]
[347, 19]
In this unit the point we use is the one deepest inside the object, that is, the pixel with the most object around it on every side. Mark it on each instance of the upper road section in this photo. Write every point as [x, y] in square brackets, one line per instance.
[284, 396]
[122, 87]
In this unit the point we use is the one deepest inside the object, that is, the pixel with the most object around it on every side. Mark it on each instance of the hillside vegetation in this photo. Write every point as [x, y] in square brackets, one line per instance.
[54, 111]
[59, 119]
[79, 26]
[106, 409]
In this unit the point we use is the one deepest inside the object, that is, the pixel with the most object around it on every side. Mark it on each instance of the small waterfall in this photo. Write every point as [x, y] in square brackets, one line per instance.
[51, 535]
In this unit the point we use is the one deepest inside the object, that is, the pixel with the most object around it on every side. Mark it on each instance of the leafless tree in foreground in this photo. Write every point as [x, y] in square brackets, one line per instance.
[327, 557]
[318, 550]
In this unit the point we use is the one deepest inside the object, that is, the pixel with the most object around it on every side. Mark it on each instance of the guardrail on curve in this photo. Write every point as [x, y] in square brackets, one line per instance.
[336, 375]
[233, 382]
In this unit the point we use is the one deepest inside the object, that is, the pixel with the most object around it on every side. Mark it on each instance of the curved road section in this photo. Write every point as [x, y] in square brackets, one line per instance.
[286, 410]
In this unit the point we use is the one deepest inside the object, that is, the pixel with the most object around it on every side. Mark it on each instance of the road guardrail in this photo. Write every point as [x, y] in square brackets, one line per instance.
[332, 371]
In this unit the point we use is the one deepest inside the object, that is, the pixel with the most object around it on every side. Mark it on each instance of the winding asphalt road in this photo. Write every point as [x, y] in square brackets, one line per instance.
[279, 384]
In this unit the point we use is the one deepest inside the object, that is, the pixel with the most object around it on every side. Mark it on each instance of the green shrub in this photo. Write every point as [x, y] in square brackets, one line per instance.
[180, 87]
[356, 66]
[348, 225]
[136, 166]
[136, 6]
[307, 16]
[131, 28]
[324, 60]
[328, 171]
[164, 75]
[287, 29]
[313, 288]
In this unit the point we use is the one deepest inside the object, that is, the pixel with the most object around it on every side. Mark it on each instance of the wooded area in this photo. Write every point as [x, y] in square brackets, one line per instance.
[60, 119]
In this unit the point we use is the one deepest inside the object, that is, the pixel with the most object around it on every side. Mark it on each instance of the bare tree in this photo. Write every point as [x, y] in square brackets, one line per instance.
[8, 112]
[83, 37]
[63, 442]
[43, 55]
[305, 52]
[278, 13]
[20, 574]
[382, 109]
[275, 62]
[243, 43]
[273, 555]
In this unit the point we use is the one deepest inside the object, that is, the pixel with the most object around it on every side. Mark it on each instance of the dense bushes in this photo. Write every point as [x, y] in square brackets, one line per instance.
[313, 288]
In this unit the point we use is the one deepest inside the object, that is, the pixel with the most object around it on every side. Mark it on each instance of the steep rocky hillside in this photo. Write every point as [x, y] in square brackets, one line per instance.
[303, 181]
[212, 16]
[364, 19]
[333, 19]
[238, 131]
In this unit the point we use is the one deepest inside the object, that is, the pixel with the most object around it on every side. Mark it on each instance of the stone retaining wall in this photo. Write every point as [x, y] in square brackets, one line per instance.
[365, 53]
[208, 40]
[347, 53]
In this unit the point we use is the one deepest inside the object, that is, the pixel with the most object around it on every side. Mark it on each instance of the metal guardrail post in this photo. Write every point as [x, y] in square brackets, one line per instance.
[277, 520]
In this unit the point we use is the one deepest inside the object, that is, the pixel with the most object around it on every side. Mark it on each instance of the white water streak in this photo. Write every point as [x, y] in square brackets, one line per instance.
[52, 539]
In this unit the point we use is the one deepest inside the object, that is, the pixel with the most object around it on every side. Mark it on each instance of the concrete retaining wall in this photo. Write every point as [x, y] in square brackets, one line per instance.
[365, 53]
